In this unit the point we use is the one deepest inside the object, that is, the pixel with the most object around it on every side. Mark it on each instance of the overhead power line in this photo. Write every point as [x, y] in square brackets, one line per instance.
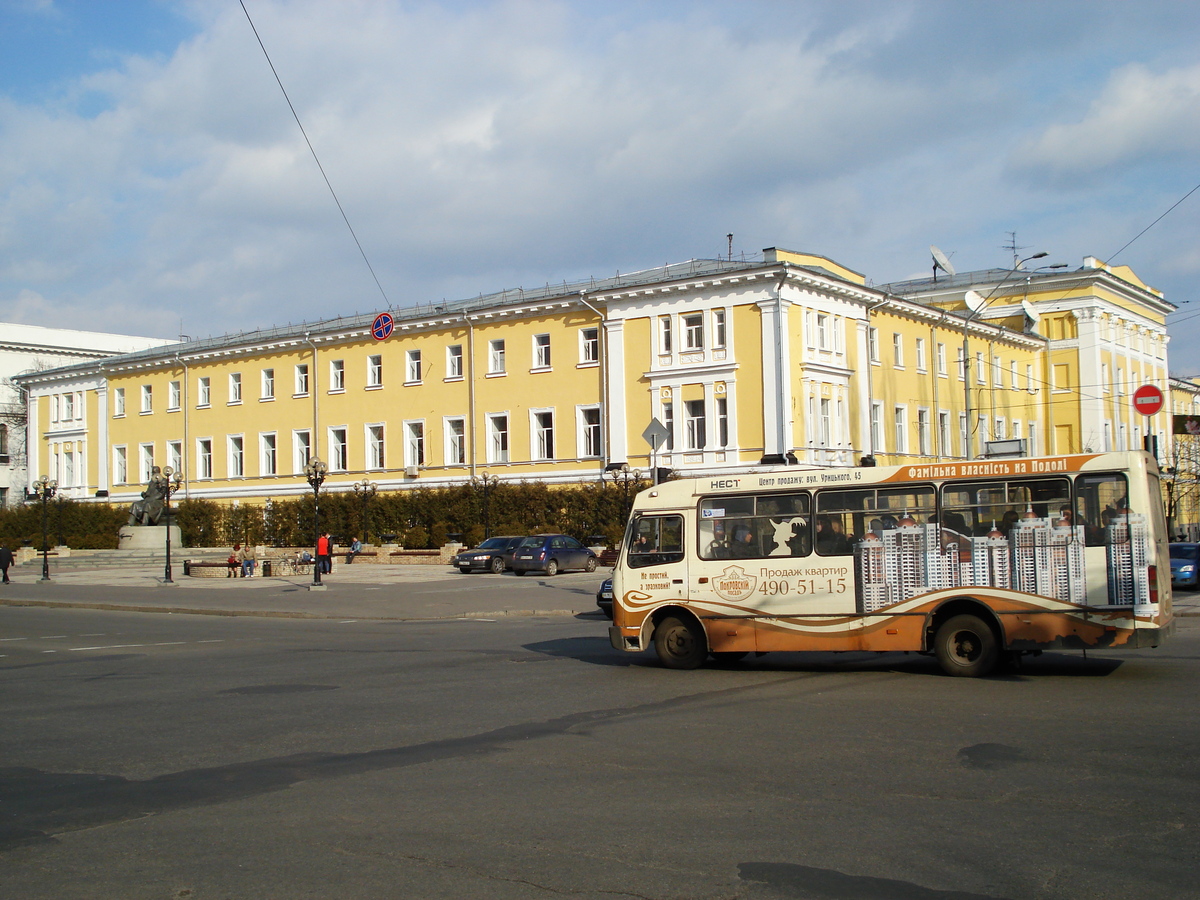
[314, 154]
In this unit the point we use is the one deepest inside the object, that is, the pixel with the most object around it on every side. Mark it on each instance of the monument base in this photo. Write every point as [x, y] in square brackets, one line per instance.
[148, 537]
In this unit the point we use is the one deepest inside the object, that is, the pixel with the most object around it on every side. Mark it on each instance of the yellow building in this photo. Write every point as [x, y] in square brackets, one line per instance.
[787, 358]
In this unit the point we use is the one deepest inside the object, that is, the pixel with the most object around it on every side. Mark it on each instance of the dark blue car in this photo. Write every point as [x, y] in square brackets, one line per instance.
[1185, 565]
[552, 553]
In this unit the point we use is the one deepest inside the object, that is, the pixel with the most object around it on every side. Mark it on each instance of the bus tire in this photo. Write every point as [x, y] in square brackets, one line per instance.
[966, 646]
[679, 644]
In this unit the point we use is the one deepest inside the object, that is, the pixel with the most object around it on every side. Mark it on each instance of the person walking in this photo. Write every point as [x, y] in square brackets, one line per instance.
[239, 559]
[249, 558]
[6, 560]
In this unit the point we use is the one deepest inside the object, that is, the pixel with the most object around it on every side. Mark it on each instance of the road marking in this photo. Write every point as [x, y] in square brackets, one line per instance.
[348, 622]
[13, 639]
[125, 646]
[51, 637]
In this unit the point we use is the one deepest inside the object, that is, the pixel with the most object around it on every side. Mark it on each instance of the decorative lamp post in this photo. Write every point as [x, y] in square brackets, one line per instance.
[315, 473]
[168, 482]
[485, 483]
[366, 490]
[45, 488]
[621, 474]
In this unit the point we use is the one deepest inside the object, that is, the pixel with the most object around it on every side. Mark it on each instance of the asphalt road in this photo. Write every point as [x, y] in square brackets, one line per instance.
[170, 756]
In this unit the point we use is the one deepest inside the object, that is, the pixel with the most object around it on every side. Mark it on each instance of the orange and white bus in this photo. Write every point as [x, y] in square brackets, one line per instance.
[971, 561]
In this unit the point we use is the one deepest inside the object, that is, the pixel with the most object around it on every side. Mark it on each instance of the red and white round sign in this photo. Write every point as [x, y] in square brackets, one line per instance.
[1147, 400]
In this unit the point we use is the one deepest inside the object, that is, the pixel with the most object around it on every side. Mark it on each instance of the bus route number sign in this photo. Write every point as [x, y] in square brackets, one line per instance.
[1147, 400]
[381, 328]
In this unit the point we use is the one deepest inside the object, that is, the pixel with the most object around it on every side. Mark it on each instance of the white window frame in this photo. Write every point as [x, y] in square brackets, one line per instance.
[900, 428]
[723, 430]
[175, 455]
[878, 445]
[302, 449]
[338, 441]
[268, 453]
[174, 393]
[941, 360]
[204, 458]
[922, 360]
[375, 370]
[235, 456]
[145, 461]
[873, 345]
[203, 392]
[541, 434]
[720, 330]
[120, 465]
[924, 432]
[454, 362]
[499, 440]
[267, 385]
[589, 433]
[897, 350]
[541, 352]
[589, 346]
[454, 444]
[337, 376]
[414, 442]
[302, 380]
[147, 399]
[665, 342]
[497, 363]
[413, 370]
[119, 403]
[376, 441]
[235, 388]
[692, 325]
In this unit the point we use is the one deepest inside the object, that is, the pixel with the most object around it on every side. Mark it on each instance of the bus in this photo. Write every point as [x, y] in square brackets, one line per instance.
[975, 562]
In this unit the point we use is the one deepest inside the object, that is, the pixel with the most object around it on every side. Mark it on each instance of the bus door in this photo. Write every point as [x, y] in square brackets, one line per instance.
[1120, 540]
[751, 568]
[656, 567]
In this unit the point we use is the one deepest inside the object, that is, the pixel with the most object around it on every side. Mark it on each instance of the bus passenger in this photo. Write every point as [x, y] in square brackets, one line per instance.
[743, 543]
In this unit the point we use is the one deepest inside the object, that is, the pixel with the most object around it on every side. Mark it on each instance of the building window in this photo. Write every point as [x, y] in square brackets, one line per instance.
[120, 466]
[543, 434]
[980, 370]
[375, 447]
[203, 391]
[497, 439]
[204, 461]
[1012, 374]
[454, 367]
[268, 384]
[1030, 384]
[175, 455]
[941, 359]
[901, 427]
[1032, 445]
[898, 350]
[541, 351]
[998, 434]
[118, 403]
[237, 458]
[456, 442]
[722, 422]
[961, 364]
[923, 433]
[302, 380]
[669, 424]
[822, 331]
[718, 321]
[997, 372]
[235, 387]
[589, 423]
[944, 448]
[877, 428]
[339, 459]
[824, 424]
[266, 454]
[173, 396]
[68, 468]
[873, 344]
[922, 361]
[693, 331]
[589, 345]
[337, 375]
[664, 334]
[375, 370]
[496, 357]
[964, 439]
[68, 407]
[147, 398]
[301, 450]
[412, 367]
[414, 443]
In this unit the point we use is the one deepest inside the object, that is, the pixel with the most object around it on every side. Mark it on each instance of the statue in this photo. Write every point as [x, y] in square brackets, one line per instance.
[149, 510]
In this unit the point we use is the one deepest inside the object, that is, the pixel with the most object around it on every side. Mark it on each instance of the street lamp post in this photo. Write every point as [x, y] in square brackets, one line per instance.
[969, 452]
[315, 473]
[621, 474]
[485, 483]
[366, 490]
[45, 488]
[169, 482]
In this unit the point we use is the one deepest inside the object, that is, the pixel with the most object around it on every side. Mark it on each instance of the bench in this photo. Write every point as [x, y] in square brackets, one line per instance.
[200, 569]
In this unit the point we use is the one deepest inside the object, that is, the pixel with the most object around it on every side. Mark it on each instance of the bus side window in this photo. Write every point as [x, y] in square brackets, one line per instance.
[655, 541]
[1098, 498]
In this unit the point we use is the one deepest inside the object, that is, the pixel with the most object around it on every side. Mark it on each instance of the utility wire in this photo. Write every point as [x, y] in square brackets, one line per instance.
[314, 154]
[1155, 222]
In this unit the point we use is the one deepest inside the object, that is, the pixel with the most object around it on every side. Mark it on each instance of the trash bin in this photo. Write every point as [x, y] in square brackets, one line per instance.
[266, 568]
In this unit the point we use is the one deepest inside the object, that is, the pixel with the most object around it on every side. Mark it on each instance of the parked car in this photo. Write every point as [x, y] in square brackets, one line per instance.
[552, 553]
[604, 598]
[1185, 565]
[493, 555]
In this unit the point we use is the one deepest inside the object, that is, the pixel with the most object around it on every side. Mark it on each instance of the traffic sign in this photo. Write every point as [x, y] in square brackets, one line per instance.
[655, 433]
[381, 328]
[1147, 399]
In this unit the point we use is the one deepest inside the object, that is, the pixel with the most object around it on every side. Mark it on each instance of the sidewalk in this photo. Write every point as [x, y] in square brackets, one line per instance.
[350, 592]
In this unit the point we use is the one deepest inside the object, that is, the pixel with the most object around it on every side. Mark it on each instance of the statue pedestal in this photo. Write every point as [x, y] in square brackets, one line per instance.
[148, 537]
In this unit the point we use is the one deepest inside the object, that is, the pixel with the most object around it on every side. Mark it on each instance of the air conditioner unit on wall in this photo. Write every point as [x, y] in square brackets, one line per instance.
[410, 472]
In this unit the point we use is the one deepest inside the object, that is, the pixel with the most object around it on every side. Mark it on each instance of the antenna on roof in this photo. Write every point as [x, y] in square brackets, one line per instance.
[940, 261]
[730, 239]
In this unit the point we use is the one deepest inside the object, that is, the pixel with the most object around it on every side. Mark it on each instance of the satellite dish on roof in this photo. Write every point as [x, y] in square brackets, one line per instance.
[974, 300]
[1031, 314]
[940, 261]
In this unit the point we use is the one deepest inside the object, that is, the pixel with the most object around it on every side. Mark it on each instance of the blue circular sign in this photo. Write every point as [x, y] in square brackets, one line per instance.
[381, 328]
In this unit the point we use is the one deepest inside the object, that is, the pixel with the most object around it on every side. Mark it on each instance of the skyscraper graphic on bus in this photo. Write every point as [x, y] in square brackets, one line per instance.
[1039, 556]
[1128, 560]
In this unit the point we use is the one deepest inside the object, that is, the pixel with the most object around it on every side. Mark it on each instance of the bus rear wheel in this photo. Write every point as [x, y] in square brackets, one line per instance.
[679, 644]
[966, 646]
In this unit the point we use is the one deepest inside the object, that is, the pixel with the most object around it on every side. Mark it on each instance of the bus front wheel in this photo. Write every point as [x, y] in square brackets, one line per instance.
[679, 644]
[966, 646]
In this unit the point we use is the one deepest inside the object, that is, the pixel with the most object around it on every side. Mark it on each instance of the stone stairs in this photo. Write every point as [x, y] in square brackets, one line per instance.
[126, 559]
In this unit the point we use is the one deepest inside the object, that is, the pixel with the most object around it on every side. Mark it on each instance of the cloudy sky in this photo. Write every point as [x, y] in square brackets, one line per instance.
[154, 181]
